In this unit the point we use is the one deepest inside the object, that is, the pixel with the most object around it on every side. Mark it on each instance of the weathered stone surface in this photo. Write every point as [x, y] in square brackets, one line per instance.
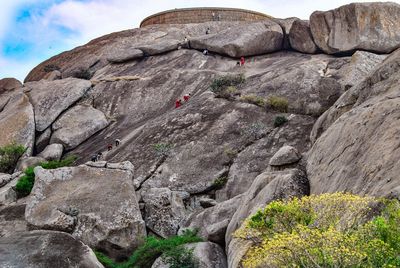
[285, 156]
[4, 179]
[267, 187]
[8, 87]
[358, 26]
[52, 152]
[361, 65]
[246, 39]
[43, 140]
[24, 163]
[301, 38]
[159, 47]
[206, 254]
[39, 249]
[126, 165]
[17, 123]
[76, 125]
[51, 98]
[286, 25]
[358, 152]
[54, 75]
[83, 201]
[164, 210]
[97, 164]
[7, 193]
[125, 54]
[211, 223]
[207, 202]
[12, 219]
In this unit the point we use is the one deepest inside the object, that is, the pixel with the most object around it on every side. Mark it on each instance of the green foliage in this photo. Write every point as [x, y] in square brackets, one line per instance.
[162, 149]
[280, 120]
[227, 86]
[25, 183]
[153, 248]
[9, 156]
[259, 101]
[231, 153]
[220, 182]
[278, 103]
[329, 230]
[180, 258]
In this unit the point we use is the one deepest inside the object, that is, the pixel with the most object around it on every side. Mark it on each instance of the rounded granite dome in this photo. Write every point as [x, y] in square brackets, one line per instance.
[202, 14]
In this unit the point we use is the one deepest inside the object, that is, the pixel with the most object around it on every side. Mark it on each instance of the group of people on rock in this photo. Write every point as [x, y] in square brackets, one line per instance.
[178, 102]
[99, 155]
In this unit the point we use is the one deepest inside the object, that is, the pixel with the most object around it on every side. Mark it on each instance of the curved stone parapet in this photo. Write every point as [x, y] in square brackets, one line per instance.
[202, 14]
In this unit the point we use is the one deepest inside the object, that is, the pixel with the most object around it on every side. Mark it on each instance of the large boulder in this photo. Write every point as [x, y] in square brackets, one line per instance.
[246, 39]
[205, 255]
[76, 125]
[358, 152]
[285, 156]
[17, 123]
[39, 249]
[52, 152]
[8, 87]
[95, 205]
[51, 98]
[267, 187]
[26, 162]
[286, 25]
[212, 223]
[124, 53]
[164, 210]
[160, 47]
[357, 26]
[300, 37]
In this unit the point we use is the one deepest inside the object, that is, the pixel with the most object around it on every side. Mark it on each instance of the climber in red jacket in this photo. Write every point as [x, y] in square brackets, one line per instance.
[241, 61]
[186, 97]
[178, 103]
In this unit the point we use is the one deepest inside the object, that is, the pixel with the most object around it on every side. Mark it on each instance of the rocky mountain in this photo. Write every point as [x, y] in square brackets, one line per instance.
[314, 109]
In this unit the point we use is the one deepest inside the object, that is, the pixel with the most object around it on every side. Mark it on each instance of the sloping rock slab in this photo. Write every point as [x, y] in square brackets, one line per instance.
[125, 54]
[245, 39]
[51, 98]
[40, 249]
[358, 26]
[76, 125]
[159, 47]
[96, 205]
[17, 123]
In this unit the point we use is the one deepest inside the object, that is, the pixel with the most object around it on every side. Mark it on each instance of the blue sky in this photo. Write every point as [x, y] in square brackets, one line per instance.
[32, 31]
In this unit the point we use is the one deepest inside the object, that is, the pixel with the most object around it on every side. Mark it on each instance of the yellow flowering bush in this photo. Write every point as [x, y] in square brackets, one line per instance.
[328, 230]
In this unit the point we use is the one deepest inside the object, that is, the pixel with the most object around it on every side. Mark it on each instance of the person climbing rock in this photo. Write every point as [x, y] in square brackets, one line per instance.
[117, 142]
[94, 158]
[109, 147]
[186, 97]
[99, 156]
[208, 31]
[178, 103]
[241, 61]
[205, 52]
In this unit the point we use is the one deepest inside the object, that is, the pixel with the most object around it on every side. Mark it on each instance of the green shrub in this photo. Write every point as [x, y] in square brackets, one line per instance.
[220, 182]
[253, 99]
[180, 258]
[278, 103]
[25, 183]
[9, 156]
[280, 120]
[329, 230]
[227, 86]
[153, 248]
[162, 149]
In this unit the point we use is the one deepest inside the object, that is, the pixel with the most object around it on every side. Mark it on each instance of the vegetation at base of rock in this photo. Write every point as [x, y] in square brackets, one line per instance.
[278, 103]
[253, 99]
[328, 230]
[153, 247]
[25, 183]
[9, 156]
[220, 182]
[280, 120]
[162, 149]
[227, 86]
[255, 131]
[180, 258]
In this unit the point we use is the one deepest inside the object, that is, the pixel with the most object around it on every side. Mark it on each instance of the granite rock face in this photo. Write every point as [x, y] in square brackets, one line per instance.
[359, 26]
[83, 201]
[39, 249]
[76, 125]
[51, 98]
[300, 37]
